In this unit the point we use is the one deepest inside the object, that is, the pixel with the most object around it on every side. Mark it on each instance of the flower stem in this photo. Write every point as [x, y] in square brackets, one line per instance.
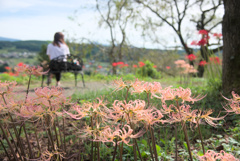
[187, 139]
[59, 131]
[28, 87]
[64, 139]
[92, 141]
[15, 144]
[56, 134]
[9, 144]
[5, 150]
[29, 145]
[149, 144]
[153, 143]
[15, 130]
[200, 133]
[115, 150]
[36, 136]
[176, 140]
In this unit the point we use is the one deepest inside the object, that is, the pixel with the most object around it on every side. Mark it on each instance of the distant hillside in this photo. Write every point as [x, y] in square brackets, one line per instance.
[7, 39]
[30, 45]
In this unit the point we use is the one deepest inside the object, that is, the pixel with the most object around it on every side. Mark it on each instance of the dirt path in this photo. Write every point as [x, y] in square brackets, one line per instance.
[68, 88]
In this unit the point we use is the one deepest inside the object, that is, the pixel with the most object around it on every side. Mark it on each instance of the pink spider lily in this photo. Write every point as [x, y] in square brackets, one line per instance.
[50, 96]
[80, 112]
[234, 103]
[236, 97]
[126, 135]
[201, 115]
[181, 113]
[31, 111]
[141, 86]
[178, 94]
[127, 111]
[7, 87]
[234, 107]
[30, 70]
[48, 93]
[213, 156]
[150, 116]
[120, 84]
[108, 134]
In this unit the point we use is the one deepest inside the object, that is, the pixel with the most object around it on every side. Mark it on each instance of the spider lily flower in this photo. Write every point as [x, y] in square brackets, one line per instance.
[127, 133]
[50, 96]
[141, 86]
[30, 70]
[48, 93]
[150, 116]
[122, 110]
[234, 103]
[181, 113]
[201, 115]
[120, 84]
[178, 94]
[79, 110]
[7, 87]
[108, 134]
[213, 156]
[180, 63]
[236, 97]
[234, 107]
[31, 111]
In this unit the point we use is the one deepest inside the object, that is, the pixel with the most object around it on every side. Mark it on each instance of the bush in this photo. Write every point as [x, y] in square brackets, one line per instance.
[148, 70]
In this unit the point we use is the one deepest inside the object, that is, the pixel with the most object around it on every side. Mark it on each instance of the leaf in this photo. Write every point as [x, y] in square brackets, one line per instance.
[185, 145]
[200, 153]
[144, 142]
[158, 149]
[163, 141]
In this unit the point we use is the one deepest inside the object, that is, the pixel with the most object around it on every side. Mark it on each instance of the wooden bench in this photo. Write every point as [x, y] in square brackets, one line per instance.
[74, 64]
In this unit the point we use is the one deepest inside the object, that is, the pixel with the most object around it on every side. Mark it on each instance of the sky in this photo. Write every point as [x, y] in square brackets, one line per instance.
[40, 19]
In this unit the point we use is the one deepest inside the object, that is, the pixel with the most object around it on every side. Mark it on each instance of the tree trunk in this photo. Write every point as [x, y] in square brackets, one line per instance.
[231, 48]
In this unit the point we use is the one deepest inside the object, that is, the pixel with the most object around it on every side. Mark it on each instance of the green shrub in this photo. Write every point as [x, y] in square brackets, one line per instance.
[148, 70]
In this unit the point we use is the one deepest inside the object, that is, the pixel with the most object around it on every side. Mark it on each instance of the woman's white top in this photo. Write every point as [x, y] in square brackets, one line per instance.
[55, 51]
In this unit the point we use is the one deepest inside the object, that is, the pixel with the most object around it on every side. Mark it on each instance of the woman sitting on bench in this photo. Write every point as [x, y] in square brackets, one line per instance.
[58, 48]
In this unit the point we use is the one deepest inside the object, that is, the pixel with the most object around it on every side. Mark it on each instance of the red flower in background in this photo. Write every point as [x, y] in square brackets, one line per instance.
[202, 42]
[191, 57]
[114, 64]
[168, 67]
[215, 60]
[135, 66]
[203, 32]
[20, 64]
[154, 66]
[8, 68]
[194, 42]
[100, 67]
[217, 35]
[120, 63]
[202, 63]
[141, 64]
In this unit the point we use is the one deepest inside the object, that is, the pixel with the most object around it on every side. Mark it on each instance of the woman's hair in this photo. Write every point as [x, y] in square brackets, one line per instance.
[58, 38]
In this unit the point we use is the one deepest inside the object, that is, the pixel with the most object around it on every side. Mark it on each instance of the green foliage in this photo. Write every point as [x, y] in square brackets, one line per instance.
[42, 56]
[148, 70]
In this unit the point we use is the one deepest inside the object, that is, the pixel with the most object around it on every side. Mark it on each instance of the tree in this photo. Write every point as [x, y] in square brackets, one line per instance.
[207, 21]
[175, 13]
[42, 56]
[231, 48]
[115, 18]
